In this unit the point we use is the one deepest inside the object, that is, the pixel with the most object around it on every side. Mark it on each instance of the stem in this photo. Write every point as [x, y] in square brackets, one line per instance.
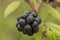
[33, 5]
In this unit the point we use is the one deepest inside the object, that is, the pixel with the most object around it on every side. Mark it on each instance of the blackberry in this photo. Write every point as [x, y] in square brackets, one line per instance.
[27, 29]
[22, 22]
[34, 14]
[28, 23]
[38, 20]
[24, 16]
[30, 19]
[19, 27]
[35, 24]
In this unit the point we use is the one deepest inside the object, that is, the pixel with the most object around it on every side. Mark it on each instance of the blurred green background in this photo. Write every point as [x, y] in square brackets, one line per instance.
[8, 29]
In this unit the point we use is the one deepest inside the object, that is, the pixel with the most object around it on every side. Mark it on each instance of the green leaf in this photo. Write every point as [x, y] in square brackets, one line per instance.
[53, 12]
[11, 7]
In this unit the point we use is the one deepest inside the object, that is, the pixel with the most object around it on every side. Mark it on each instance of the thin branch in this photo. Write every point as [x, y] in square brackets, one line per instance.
[33, 5]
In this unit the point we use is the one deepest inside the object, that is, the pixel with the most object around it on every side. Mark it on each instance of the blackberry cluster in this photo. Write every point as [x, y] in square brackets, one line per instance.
[28, 23]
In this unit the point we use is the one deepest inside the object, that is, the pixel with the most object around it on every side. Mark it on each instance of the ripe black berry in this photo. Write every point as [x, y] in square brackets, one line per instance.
[22, 22]
[38, 20]
[27, 29]
[24, 16]
[35, 24]
[34, 14]
[19, 27]
[28, 23]
[30, 19]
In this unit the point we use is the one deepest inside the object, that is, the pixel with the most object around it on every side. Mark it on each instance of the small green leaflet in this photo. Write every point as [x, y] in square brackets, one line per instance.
[11, 7]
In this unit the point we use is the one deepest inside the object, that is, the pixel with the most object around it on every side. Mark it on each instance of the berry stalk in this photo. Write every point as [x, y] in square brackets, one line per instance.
[33, 4]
